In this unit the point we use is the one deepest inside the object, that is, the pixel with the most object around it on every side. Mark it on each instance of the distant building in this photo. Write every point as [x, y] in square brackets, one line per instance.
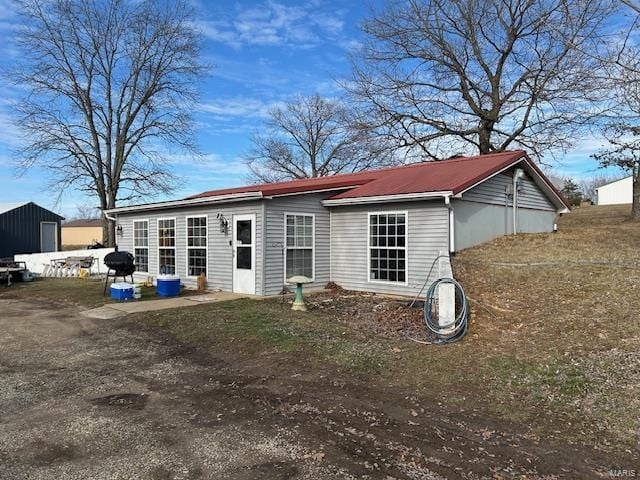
[82, 232]
[615, 193]
[28, 228]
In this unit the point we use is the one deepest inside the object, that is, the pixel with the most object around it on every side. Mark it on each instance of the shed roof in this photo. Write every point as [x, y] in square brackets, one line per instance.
[8, 206]
[84, 222]
[614, 181]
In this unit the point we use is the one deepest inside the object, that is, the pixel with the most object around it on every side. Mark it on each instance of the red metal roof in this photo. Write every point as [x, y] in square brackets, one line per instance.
[453, 175]
[449, 175]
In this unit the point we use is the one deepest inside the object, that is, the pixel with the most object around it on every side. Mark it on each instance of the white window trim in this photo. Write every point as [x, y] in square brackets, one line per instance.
[175, 242]
[142, 220]
[313, 244]
[406, 247]
[206, 247]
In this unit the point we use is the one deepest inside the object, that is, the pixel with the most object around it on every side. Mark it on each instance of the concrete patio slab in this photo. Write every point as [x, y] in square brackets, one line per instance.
[115, 310]
[103, 313]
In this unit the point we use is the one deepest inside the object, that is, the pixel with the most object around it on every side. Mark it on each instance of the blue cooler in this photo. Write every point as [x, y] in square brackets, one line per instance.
[121, 291]
[168, 285]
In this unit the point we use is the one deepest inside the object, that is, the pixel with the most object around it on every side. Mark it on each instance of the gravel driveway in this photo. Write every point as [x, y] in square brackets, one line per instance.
[81, 398]
[108, 399]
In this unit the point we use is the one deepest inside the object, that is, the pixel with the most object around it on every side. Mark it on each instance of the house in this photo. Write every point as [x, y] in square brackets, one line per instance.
[82, 232]
[615, 193]
[376, 231]
[28, 228]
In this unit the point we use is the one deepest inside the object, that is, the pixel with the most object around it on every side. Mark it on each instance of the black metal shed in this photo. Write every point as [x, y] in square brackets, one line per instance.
[28, 228]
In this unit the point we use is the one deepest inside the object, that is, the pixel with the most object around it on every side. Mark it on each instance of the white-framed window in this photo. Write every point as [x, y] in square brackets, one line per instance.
[388, 247]
[141, 245]
[167, 246]
[196, 245]
[299, 245]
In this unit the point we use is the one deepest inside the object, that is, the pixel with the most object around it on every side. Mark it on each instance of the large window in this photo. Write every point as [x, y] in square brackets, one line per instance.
[141, 245]
[387, 247]
[299, 245]
[196, 246]
[167, 246]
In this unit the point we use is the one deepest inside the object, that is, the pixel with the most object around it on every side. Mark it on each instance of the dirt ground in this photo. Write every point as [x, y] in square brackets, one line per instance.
[118, 399]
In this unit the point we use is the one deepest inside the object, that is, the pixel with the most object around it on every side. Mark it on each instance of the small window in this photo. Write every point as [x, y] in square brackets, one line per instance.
[299, 231]
[167, 246]
[196, 246]
[387, 252]
[141, 245]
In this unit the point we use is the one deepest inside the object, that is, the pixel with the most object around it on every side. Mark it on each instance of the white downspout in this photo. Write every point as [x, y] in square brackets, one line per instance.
[114, 220]
[518, 173]
[447, 202]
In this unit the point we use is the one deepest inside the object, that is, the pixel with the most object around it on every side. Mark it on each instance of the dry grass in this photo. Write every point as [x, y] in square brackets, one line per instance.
[563, 339]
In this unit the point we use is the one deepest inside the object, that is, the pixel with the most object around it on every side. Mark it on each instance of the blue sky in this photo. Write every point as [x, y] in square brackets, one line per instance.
[263, 53]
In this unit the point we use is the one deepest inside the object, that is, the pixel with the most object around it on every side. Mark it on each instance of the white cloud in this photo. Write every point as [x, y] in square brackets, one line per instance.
[274, 24]
[237, 107]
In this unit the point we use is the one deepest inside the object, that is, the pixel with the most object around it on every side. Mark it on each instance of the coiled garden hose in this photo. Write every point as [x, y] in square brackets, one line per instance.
[454, 331]
[458, 328]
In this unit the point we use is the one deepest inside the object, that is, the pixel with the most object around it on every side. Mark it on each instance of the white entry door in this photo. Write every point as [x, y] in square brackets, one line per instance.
[244, 253]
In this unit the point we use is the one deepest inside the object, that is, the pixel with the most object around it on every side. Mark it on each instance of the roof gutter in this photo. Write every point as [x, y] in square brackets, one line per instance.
[402, 197]
[192, 202]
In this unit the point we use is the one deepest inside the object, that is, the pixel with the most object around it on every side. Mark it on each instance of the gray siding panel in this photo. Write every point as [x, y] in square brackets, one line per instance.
[428, 231]
[494, 191]
[476, 223]
[275, 210]
[220, 252]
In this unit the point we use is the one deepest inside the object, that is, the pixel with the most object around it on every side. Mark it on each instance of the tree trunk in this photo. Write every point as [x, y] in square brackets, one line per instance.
[484, 136]
[108, 232]
[635, 206]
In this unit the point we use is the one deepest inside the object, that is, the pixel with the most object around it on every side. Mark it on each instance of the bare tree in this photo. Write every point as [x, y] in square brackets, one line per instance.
[85, 212]
[480, 75]
[110, 88]
[312, 137]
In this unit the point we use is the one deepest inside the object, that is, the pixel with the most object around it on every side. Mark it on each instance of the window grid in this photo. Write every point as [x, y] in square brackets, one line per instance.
[167, 246]
[141, 245]
[196, 246]
[299, 232]
[387, 247]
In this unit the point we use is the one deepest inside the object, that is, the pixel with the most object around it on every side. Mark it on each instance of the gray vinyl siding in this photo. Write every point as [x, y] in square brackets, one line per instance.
[275, 210]
[476, 223]
[494, 191]
[220, 251]
[486, 211]
[428, 231]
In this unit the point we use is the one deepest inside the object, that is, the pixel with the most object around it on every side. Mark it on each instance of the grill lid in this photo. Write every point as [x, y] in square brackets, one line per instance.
[122, 262]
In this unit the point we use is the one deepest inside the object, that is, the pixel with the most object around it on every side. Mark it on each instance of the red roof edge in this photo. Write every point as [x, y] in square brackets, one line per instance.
[533, 165]
[516, 156]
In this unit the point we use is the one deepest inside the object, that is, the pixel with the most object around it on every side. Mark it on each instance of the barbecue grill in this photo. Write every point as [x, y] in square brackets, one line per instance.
[119, 264]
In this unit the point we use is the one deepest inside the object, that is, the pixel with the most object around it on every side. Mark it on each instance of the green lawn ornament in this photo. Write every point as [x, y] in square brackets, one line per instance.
[298, 302]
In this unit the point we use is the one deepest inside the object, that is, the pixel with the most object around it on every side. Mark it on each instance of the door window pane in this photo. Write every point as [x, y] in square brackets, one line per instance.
[243, 232]
[243, 258]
